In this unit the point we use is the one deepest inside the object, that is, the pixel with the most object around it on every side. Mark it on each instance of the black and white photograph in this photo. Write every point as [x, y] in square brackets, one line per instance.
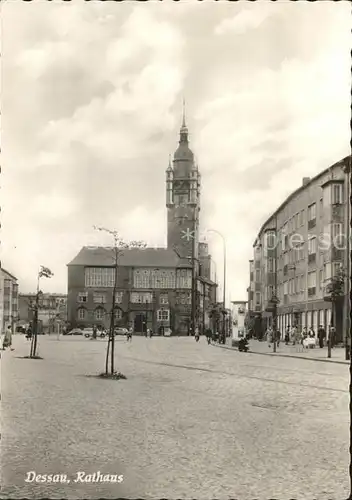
[175, 250]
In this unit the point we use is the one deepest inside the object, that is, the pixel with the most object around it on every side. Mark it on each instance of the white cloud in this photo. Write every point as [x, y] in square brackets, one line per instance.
[52, 205]
[102, 109]
[249, 18]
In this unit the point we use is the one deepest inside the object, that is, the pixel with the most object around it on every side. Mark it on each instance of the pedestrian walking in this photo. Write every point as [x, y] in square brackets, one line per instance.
[332, 336]
[299, 338]
[278, 337]
[196, 334]
[7, 342]
[321, 336]
[129, 335]
[151, 333]
[29, 333]
[287, 335]
[95, 333]
[269, 336]
[208, 334]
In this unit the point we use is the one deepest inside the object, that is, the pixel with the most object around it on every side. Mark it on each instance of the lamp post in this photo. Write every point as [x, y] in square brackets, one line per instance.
[292, 267]
[275, 299]
[224, 279]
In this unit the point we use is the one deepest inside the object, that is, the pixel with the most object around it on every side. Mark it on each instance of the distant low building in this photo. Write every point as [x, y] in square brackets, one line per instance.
[52, 310]
[8, 300]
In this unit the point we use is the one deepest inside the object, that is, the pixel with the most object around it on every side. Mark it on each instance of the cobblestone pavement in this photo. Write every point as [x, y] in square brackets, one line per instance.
[191, 421]
[337, 353]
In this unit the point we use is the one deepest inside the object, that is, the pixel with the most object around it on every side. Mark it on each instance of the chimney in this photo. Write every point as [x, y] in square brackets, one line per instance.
[305, 181]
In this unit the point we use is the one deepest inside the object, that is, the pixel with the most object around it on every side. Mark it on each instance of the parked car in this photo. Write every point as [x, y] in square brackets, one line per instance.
[167, 332]
[74, 331]
[20, 329]
[121, 331]
[88, 332]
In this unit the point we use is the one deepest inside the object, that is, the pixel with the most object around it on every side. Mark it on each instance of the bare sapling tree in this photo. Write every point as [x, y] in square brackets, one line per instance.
[44, 272]
[119, 247]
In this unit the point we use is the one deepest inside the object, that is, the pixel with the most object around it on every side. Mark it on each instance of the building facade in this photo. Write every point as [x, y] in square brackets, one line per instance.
[154, 286]
[52, 310]
[300, 249]
[8, 300]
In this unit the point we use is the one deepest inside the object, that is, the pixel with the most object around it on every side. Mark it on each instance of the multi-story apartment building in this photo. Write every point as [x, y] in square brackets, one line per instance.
[154, 286]
[8, 300]
[52, 310]
[300, 248]
[250, 289]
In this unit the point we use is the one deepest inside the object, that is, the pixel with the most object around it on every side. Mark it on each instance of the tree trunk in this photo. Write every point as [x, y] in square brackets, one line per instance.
[34, 342]
[112, 325]
[107, 355]
[332, 323]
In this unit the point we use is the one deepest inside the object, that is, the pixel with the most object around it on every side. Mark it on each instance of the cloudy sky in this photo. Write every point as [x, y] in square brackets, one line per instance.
[91, 108]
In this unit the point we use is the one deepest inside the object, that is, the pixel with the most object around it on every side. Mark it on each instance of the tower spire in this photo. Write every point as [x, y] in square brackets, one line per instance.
[184, 113]
[184, 129]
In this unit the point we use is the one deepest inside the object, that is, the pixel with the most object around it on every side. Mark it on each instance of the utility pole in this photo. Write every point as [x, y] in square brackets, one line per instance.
[275, 290]
[348, 344]
[194, 289]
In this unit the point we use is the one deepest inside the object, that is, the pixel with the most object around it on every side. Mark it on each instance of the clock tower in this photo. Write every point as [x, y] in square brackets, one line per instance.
[183, 198]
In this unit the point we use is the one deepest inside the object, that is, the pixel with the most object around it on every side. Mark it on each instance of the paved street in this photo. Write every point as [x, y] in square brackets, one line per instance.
[191, 421]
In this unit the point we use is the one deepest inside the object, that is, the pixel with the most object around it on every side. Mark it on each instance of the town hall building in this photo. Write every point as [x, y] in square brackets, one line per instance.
[157, 288]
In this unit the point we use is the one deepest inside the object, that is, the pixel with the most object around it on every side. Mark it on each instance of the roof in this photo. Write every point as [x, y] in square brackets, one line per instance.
[207, 281]
[44, 295]
[8, 274]
[345, 160]
[134, 257]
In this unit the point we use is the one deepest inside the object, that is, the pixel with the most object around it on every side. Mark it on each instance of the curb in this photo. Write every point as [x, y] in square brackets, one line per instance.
[276, 354]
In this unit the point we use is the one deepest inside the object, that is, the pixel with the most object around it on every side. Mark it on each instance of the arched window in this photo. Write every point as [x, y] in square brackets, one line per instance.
[81, 313]
[118, 313]
[99, 313]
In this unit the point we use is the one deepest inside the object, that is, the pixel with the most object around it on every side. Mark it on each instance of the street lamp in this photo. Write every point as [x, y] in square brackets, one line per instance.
[224, 281]
[274, 299]
[292, 267]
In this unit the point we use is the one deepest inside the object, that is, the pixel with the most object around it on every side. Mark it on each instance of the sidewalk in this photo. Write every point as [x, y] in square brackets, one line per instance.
[290, 351]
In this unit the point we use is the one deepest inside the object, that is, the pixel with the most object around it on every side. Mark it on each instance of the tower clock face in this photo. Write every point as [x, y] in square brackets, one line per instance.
[181, 186]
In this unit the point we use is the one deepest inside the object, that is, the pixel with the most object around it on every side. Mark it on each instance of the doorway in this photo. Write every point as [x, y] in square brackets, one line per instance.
[140, 323]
